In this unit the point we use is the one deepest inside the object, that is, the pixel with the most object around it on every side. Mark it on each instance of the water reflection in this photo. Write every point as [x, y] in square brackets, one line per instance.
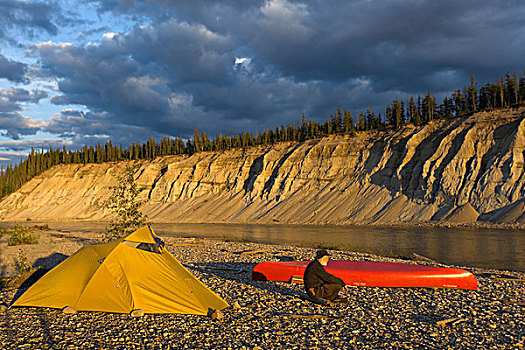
[500, 249]
[461, 246]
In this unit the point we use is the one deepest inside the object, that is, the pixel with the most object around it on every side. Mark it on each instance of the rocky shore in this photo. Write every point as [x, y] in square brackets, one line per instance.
[270, 315]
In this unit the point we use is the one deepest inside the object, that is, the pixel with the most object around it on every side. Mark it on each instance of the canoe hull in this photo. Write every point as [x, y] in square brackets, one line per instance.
[372, 274]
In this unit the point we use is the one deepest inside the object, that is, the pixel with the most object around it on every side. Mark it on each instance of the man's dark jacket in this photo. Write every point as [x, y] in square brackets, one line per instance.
[315, 275]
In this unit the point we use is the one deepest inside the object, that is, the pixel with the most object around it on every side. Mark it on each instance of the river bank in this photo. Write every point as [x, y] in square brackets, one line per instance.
[271, 315]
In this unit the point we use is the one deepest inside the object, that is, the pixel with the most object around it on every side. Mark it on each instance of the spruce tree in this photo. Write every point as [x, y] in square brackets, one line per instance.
[389, 116]
[397, 115]
[196, 140]
[472, 95]
[429, 107]
[521, 93]
[123, 202]
[501, 93]
[348, 122]
[338, 122]
[512, 89]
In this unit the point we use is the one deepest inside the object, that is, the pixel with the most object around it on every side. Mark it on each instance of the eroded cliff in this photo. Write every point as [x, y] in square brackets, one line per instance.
[458, 171]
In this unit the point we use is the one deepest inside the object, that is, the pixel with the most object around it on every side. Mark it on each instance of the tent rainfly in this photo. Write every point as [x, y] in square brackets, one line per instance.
[133, 273]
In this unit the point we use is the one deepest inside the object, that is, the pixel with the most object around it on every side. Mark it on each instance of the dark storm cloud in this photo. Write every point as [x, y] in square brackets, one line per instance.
[254, 64]
[98, 30]
[387, 40]
[171, 78]
[22, 95]
[10, 158]
[11, 70]
[29, 17]
[15, 125]
[188, 9]
[191, 52]
[397, 44]
[12, 122]
[10, 100]
[81, 128]
[11, 147]
[12, 151]
[129, 76]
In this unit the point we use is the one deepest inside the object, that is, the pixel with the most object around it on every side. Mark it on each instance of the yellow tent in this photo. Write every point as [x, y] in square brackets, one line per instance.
[133, 273]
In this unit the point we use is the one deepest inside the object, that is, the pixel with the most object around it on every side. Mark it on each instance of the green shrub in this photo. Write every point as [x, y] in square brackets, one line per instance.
[21, 235]
[245, 239]
[124, 202]
[21, 263]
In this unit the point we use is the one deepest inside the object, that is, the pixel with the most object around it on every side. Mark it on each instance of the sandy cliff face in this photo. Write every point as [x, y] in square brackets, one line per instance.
[457, 171]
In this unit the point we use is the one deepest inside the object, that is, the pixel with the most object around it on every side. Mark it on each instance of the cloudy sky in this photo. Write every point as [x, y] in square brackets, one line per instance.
[82, 72]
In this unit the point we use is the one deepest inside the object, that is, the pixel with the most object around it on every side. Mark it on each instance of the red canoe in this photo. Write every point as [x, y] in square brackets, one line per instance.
[371, 274]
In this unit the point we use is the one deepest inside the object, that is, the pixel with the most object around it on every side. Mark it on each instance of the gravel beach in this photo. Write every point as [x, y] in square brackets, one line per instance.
[270, 315]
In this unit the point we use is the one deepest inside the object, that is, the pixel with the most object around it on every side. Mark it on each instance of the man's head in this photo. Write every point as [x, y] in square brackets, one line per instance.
[322, 256]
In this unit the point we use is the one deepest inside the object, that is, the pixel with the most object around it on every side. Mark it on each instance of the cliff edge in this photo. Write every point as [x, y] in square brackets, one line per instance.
[456, 171]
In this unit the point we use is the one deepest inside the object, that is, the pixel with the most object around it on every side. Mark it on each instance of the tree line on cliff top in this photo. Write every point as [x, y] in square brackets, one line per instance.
[509, 91]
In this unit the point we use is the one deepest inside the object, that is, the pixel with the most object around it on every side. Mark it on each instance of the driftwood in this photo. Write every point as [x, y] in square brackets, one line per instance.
[508, 302]
[501, 277]
[504, 277]
[224, 268]
[196, 244]
[450, 321]
[311, 317]
[250, 252]
[510, 279]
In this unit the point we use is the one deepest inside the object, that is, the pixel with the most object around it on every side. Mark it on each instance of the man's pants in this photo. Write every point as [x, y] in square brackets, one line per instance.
[327, 291]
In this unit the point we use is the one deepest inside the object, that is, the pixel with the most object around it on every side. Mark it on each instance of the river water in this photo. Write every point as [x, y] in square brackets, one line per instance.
[491, 248]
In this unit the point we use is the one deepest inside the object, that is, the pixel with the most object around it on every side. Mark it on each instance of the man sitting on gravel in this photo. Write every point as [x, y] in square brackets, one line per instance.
[320, 284]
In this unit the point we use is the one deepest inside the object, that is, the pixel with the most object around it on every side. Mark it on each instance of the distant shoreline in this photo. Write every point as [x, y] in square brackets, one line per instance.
[429, 224]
